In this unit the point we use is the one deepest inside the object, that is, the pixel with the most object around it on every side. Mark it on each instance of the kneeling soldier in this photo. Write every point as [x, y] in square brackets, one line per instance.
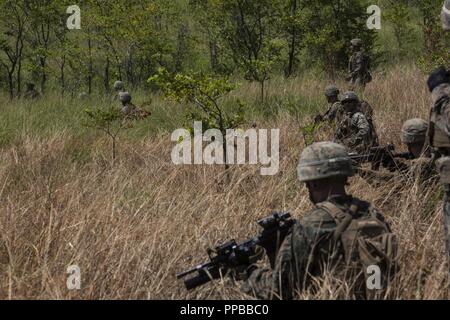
[342, 234]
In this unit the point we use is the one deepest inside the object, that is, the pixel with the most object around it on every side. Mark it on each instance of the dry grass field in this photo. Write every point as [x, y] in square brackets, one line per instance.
[132, 225]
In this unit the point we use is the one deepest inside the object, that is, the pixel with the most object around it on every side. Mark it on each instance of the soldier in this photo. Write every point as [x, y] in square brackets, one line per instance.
[354, 130]
[414, 136]
[439, 136]
[335, 109]
[130, 111]
[358, 67]
[439, 131]
[119, 86]
[445, 15]
[329, 237]
[31, 92]
[125, 99]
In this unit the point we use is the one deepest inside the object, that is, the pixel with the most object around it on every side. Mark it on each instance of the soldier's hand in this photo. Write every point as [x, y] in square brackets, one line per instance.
[242, 272]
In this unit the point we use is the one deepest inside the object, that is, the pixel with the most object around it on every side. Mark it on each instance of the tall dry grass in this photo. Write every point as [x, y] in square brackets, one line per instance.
[130, 226]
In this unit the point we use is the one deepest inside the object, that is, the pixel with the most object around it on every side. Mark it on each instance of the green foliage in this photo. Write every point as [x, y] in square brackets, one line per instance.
[252, 39]
[309, 132]
[104, 119]
[247, 29]
[399, 16]
[109, 120]
[329, 26]
[205, 93]
[435, 40]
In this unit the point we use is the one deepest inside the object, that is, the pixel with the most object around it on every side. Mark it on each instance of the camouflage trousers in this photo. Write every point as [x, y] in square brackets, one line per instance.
[358, 85]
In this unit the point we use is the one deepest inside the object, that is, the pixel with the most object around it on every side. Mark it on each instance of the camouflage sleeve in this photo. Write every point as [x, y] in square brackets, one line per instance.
[441, 105]
[360, 122]
[446, 111]
[292, 262]
[332, 112]
[359, 63]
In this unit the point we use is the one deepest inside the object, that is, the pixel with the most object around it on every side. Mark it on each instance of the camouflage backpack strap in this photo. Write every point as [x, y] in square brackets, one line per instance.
[342, 218]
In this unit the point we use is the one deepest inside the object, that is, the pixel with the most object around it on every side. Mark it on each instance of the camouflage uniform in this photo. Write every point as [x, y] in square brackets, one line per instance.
[129, 110]
[335, 110]
[439, 132]
[354, 130]
[309, 251]
[445, 15]
[119, 87]
[334, 113]
[366, 109]
[414, 131]
[439, 138]
[313, 247]
[358, 67]
[420, 169]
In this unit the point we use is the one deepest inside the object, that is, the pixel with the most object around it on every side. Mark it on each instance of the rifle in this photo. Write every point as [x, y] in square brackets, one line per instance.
[381, 156]
[231, 255]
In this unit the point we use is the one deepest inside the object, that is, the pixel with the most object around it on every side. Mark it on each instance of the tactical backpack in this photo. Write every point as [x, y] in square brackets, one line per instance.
[366, 240]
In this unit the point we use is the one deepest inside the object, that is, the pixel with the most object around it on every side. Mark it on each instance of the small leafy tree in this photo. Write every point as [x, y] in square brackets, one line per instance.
[205, 94]
[110, 121]
[247, 29]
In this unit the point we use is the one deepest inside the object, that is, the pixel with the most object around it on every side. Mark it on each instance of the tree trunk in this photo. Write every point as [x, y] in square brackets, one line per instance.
[19, 77]
[106, 76]
[129, 71]
[214, 61]
[42, 64]
[11, 85]
[90, 71]
[262, 82]
[293, 42]
[62, 76]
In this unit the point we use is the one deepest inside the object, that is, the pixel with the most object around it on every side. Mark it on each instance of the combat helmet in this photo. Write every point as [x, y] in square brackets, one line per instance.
[324, 160]
[356, 42]
[445, 15]
[119, 85]
[350, 96]
[125, 97]
[331, 91]
[414, 130]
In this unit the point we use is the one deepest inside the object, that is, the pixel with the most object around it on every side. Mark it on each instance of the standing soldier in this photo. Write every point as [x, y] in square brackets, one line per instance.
[354, 131]
[335, 109]
[439, 135]
[445, 15]
[342, 235]
[358, 67]
[439, 132]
